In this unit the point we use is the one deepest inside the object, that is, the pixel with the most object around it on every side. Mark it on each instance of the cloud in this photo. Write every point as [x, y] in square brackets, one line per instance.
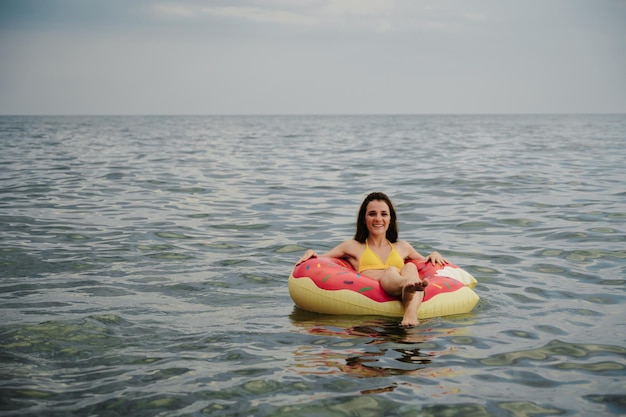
[256, 14]
[376, 15]
[345, 15]
[363, 8]
[173, 10]
[400, 16]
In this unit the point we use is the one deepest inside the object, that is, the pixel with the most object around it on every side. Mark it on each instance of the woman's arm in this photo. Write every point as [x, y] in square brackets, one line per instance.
[434, 257]
[310, 253]
[340, 251]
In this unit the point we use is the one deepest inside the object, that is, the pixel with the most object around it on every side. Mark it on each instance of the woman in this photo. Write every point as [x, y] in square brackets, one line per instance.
[376, 238]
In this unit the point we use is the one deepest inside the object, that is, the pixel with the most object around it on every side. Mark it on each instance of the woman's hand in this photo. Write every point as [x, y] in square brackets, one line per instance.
[436, 258]
[307, 255]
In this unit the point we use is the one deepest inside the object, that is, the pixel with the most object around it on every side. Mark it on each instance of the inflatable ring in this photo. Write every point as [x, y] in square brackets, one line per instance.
[332, 286]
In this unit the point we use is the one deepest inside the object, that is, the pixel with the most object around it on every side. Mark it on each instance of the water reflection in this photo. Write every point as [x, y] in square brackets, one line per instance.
[366, 347]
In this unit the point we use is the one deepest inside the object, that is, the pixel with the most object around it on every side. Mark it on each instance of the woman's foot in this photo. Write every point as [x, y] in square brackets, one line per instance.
[411, 301]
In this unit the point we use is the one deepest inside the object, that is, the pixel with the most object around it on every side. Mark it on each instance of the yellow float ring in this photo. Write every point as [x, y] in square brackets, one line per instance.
[332, 286]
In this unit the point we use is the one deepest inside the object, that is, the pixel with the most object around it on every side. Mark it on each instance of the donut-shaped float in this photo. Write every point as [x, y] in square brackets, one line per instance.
[332, 286]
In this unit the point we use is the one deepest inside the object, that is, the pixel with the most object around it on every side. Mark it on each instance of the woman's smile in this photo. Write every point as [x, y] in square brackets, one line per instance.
[377, 216]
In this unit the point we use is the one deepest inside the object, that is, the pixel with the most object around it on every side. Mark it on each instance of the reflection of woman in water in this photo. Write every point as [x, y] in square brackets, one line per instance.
[376, 238]
[359, 356]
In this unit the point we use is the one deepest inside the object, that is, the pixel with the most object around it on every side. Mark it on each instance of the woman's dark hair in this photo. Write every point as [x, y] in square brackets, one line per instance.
[361, 228]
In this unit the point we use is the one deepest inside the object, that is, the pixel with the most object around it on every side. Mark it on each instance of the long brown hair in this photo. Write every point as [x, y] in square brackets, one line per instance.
[361, 228]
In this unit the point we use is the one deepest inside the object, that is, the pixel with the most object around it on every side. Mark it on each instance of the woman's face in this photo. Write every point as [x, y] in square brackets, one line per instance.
[377, 217]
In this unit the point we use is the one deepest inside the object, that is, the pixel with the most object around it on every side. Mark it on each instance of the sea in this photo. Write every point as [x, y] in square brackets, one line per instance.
[144, 264]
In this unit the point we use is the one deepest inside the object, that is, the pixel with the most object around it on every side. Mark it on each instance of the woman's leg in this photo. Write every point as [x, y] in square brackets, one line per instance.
[407, 285]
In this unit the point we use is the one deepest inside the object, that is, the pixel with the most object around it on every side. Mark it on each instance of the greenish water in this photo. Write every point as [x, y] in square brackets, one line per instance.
[144, 265]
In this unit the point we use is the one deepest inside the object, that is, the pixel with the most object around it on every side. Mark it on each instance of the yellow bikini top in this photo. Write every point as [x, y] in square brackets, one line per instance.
[369, 259]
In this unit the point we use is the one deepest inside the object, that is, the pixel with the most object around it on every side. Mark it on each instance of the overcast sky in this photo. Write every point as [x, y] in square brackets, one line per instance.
[312, 56]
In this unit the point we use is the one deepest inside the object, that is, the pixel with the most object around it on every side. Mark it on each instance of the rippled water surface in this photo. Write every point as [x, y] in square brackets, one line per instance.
[144, 265]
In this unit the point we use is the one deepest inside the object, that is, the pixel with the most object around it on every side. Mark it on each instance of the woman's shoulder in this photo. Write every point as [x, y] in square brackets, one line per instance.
[348, 249]
[352, 247]
[352, 243]
[403, 245]
[347, 244]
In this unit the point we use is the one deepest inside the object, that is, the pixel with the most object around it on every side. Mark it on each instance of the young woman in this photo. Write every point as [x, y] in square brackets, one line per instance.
[377, 253]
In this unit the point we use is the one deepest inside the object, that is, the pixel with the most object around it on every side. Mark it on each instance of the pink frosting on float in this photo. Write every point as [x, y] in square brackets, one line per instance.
[337, 274]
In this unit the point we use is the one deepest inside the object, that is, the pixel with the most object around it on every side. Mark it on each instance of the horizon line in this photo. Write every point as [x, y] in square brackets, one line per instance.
[306, 114]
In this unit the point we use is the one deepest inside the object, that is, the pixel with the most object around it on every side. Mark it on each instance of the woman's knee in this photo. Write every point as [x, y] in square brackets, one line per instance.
[409, 269]
[391, 274]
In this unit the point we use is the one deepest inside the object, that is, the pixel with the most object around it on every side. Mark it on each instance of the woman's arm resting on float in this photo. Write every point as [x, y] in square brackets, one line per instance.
[434, 257]
[310, 253]
[338, 251]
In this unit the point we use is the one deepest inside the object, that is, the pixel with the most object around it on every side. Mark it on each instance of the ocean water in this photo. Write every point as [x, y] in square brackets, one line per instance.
[144, 265]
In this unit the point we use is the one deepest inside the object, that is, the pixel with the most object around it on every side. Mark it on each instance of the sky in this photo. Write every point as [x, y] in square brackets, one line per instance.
[74, 57]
